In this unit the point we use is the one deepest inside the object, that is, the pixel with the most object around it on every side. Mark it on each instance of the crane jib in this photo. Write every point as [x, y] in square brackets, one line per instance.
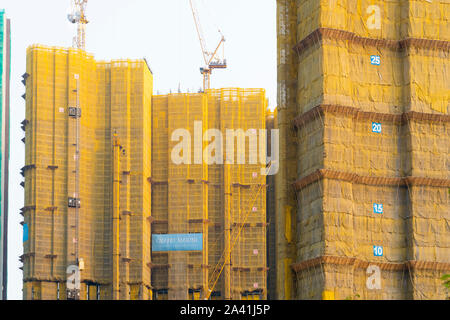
[212, 61]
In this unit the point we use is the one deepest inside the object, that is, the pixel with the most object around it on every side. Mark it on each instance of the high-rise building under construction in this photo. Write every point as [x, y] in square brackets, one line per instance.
[88, 160]
[222, 200]
[5, 61]
[104, 195]
[363, 112]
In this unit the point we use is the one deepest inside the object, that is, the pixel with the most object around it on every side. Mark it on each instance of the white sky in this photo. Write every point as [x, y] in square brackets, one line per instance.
[162, 31]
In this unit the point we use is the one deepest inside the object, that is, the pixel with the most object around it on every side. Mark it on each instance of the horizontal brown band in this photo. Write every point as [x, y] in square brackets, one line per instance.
[158, 266]
[356, 113]
[249, 225]
[204, 266]
[367, 180]
[191, 181]
[249, 269]
[198, 221]
[154, 182]
[215, 225]
[361, 264]
[57, 280]
[154, 221]
[198, 266]
[336, 34]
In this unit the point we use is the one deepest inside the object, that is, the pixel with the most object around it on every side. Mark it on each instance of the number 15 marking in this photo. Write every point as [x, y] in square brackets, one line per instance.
[378, 208]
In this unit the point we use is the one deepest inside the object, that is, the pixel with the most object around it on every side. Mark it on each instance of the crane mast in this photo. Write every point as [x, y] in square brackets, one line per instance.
[211, 59]
[78, 16]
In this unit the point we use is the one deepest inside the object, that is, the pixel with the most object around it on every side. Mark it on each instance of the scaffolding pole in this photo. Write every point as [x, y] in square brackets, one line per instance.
[116, 219]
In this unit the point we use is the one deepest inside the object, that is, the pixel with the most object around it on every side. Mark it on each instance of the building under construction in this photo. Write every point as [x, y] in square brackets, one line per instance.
[223, 201]
[364, 149]
[102, 189]
[87, 129]
[5, 62]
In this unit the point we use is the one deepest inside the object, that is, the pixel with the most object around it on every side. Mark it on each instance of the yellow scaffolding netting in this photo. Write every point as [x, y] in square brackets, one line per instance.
[113, 97]
[365, 86]
[193, 198]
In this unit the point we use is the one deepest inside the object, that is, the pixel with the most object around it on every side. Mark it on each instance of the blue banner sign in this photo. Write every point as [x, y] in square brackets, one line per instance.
[177, 242]
[25, 232]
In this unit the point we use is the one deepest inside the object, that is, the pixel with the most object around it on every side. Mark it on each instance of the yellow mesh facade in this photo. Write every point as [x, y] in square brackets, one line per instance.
[370, 115]
[123, 132]
[286, 111]
[113, 97]
[400, 19]
[212, 199]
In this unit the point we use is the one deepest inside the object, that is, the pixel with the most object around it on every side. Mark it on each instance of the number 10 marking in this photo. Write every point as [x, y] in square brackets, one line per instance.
[377, 251]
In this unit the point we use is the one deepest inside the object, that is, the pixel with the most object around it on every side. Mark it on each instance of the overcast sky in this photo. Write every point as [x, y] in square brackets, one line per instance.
[162, 31]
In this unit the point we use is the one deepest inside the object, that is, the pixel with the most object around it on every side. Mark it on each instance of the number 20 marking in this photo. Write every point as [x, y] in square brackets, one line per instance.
[376, 127]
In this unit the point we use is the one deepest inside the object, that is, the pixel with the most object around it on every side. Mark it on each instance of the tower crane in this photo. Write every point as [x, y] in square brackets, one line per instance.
[211, 59]
[78, 16]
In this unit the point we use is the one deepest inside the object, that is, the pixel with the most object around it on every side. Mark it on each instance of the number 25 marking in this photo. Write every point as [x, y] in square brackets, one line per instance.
[375, 60]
